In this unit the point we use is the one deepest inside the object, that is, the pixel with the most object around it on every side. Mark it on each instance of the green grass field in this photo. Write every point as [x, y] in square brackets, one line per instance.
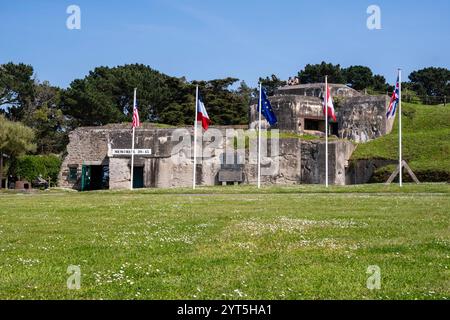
[228, 243]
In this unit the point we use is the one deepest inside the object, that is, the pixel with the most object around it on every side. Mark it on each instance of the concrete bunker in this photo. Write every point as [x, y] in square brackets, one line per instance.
[100, 157]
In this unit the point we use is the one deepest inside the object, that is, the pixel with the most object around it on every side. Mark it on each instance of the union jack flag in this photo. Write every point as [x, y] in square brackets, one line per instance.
[136, 122]
[395, 99]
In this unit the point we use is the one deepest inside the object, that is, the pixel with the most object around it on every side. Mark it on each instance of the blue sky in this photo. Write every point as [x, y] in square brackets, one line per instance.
[209, 39]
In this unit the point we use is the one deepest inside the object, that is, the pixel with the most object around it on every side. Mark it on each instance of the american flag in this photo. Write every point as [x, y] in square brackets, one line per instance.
[394, 101]
[136, 122]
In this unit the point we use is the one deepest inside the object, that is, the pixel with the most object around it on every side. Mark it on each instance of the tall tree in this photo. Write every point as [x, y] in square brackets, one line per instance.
[47, 119]
[225, 106]
[271, 84]
[15, 140]
[358, 77]
[106, 95]
[380, 85]
[431, 81]
[180, 110]
[315, 73]
[16, 89]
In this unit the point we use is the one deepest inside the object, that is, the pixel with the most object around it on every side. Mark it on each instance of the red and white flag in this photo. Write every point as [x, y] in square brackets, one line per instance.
[202, 115]
[136, 122]
[328, 102]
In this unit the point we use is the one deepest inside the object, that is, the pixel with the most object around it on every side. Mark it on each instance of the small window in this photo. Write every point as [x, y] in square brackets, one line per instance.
[312, 125]
[73, 174]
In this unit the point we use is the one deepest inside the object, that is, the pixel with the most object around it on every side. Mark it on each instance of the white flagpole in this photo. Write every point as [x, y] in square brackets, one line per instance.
[259, 135]
[400, 144]
[326, 131]
[132, 145]
[194, 176]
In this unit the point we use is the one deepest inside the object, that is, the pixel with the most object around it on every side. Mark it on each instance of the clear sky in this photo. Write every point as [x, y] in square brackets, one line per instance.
[209, 39]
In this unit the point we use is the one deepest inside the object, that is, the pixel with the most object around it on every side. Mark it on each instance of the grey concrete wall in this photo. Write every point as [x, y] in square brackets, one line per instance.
[287, 165]
[361, 171]
[298, 161]
[314, 157]
[362, 119]
[290, 112]
[88, 146]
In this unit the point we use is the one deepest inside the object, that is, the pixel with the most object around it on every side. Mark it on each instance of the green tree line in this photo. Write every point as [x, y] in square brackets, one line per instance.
[428, 85]
[105, 95]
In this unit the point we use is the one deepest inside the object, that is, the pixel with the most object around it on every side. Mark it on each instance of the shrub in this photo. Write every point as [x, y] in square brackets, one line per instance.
[31, 167]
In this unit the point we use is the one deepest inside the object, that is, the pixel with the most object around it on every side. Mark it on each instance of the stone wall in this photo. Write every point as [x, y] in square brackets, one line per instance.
[286, 164]
[290, 111]
[87, 146]
[313, 162]
[361, 171]
[298, 161]
[362, 119]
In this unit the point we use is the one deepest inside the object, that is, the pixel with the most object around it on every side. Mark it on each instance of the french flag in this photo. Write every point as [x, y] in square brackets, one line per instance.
[202, 114]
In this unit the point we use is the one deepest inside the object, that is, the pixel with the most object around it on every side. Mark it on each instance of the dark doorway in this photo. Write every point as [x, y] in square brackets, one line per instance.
[334, 129]
[138, 177]
[315, 125]
[94, 178]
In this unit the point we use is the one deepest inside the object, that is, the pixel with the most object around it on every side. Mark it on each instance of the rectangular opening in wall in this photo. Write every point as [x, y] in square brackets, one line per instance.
[138, 177]
[334, 129]
[73, 174]
[315, 125]
[94, 178]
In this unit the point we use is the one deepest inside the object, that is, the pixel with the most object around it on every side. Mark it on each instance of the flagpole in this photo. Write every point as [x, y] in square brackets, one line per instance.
[132, 145]
[194, 176]
[259, 135]
[326, 131]
[400, 144]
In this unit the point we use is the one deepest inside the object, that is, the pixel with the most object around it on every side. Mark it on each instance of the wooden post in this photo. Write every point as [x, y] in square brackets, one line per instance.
[411, 173]
[405, 165]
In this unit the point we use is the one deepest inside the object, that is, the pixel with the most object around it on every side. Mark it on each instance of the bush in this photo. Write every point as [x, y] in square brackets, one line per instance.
[31, 167]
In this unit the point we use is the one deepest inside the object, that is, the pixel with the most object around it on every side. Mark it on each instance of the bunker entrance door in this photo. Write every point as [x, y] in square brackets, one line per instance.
[334, 129]
[138, 177]
[94, 178]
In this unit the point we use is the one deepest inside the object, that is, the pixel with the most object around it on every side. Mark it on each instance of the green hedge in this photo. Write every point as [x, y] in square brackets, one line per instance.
[31, 167]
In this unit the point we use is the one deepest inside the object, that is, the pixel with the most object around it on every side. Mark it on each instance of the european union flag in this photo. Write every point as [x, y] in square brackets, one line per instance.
[266, 109]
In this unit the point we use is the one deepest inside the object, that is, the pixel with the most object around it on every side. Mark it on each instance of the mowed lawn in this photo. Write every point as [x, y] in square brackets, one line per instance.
[227, 243]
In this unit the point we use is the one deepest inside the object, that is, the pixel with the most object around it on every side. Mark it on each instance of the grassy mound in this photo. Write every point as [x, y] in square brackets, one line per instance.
[426, 144]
